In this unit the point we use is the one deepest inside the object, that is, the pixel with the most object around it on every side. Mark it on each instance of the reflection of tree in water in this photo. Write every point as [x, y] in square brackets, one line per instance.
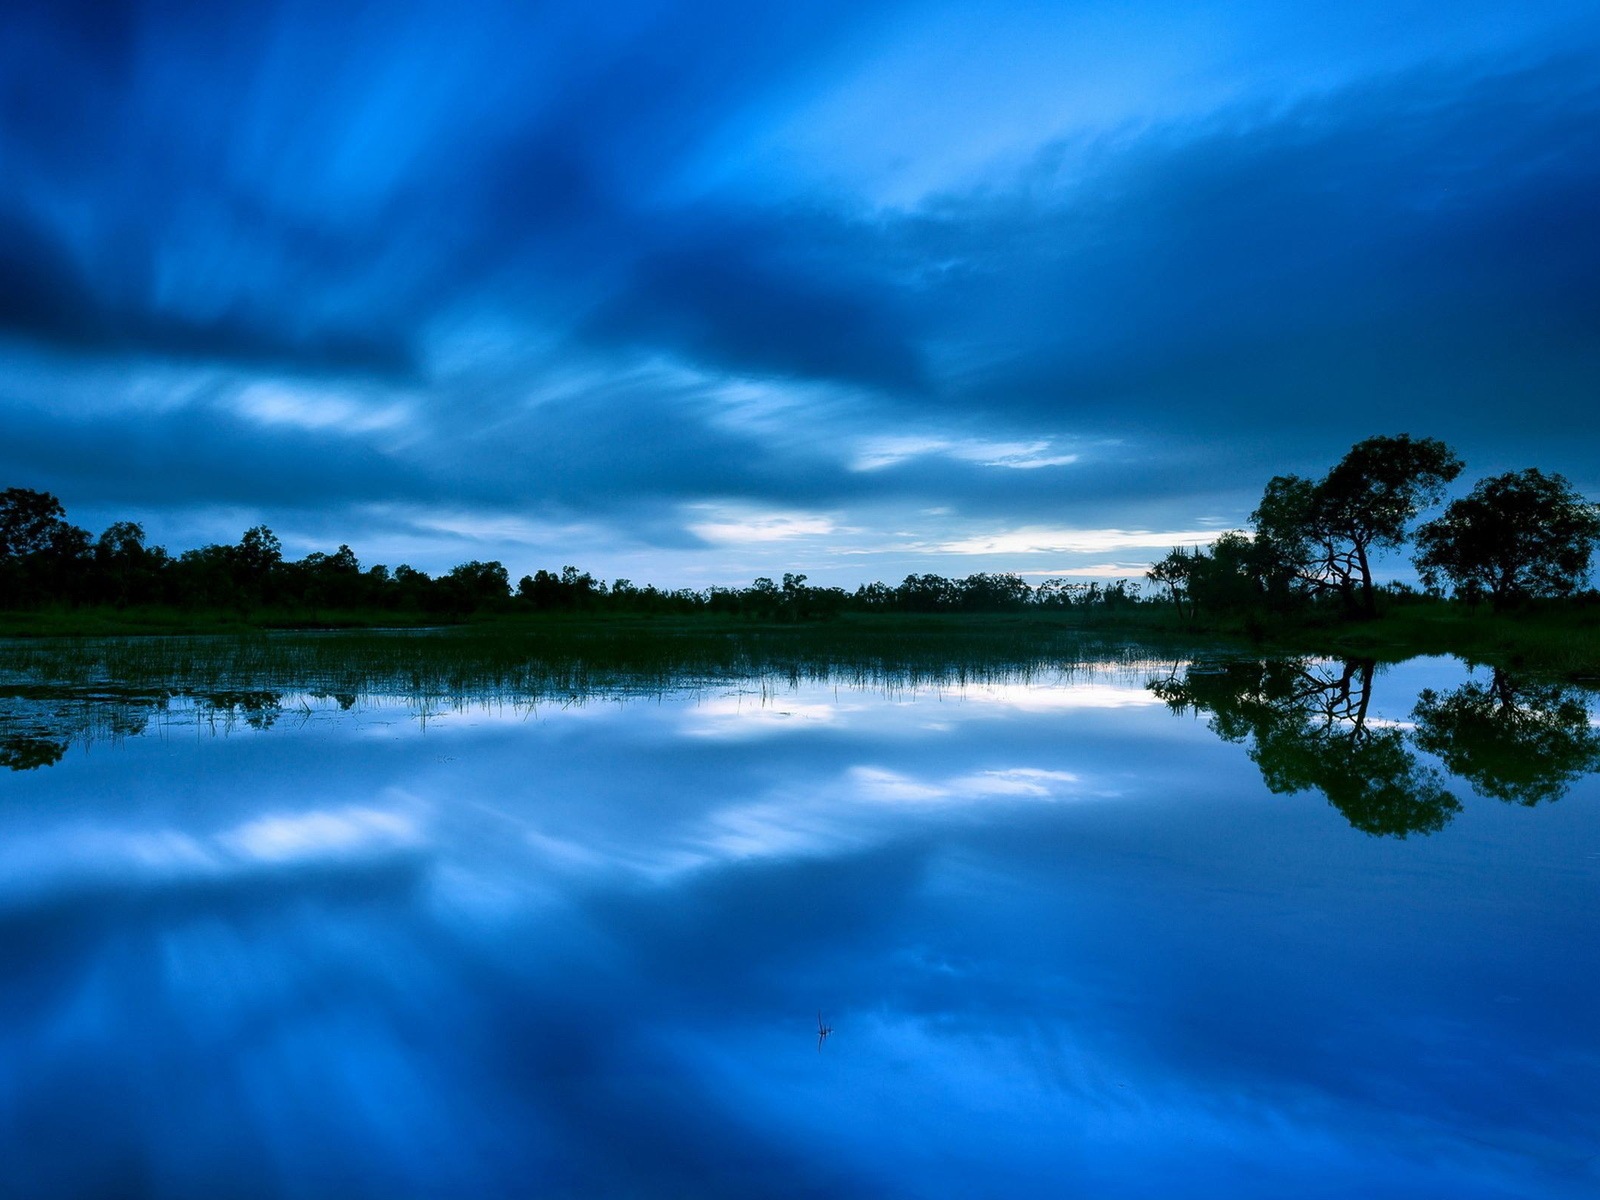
[39, 725]
[258, 709]
[24, 751]
[1514, 740]
[1308, 729]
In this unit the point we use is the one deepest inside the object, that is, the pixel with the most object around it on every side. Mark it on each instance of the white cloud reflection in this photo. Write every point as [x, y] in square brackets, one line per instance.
[291, 837]
[85, 856]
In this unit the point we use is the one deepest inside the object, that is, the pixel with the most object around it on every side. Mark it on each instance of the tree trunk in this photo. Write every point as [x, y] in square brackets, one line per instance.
[1369, 598]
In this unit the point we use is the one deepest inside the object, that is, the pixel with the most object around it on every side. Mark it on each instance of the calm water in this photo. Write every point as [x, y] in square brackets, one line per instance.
[1250, 929]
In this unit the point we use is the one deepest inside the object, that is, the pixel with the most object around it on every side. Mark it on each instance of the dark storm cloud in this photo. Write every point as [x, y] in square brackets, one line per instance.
[196, 456]
[1423, 246]
[49, 299]
[768, 298]
[620, 450]
[540, 204]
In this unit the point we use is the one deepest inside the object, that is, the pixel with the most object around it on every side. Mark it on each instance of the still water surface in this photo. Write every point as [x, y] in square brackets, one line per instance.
[1248, 929]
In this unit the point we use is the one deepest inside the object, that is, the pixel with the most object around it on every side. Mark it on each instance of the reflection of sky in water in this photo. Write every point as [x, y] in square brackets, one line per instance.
[1070, 945]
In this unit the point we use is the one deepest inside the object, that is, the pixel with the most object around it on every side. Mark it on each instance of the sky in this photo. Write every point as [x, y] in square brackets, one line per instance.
[690, 293]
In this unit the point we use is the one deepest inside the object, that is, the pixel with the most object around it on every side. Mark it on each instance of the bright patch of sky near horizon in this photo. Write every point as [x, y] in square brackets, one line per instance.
[693, 293]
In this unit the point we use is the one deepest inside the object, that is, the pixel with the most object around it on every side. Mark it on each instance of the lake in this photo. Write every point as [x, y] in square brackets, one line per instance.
[1139, 926]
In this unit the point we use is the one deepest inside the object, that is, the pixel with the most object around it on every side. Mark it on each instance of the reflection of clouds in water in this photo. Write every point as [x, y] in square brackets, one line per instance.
[291, 837]
[747, 715]
[777, 778]
[91, 857]
[1022, 697]
[866, 806]
[588, 941]
[874, 783]
[990, 1088]
[858, 808]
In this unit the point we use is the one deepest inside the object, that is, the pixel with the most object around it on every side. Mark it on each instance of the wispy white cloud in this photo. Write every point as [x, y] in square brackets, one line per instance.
[318, 409]
[876, 453]
[737, 525]
[1037, 539]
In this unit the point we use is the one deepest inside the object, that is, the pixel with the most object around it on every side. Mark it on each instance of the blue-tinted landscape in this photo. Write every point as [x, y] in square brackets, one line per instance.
[1089, 928]
[619, 600]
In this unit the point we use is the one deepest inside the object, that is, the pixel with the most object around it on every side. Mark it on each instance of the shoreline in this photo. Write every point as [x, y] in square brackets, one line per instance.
[1562, 640]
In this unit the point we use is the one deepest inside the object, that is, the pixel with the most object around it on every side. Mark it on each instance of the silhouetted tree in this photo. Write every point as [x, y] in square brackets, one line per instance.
[1231, 574]
[30, 522]
[126, 570]
[1175, 572]
[411, 588]
[874, 597]
[572, 589]
[1516, 536]
[925, 594]
[331, 580]
[205, 578]
[991, 592]
[42, 556]
[1325, 532]
[260, 552]
[475, 585]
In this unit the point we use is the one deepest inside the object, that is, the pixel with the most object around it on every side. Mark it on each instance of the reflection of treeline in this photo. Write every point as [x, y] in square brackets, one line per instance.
[1309, 726]
[46, 560]
[1516, 537]
[54, 693]
[38, 724]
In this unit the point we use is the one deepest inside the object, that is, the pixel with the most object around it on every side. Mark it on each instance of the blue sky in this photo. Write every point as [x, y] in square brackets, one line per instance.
[690, 293]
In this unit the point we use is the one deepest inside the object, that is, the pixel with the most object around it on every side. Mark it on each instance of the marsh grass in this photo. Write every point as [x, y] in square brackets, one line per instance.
[1561, 640]
[575, 658]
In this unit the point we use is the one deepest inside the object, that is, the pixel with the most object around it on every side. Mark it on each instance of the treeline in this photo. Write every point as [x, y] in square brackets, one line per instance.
[1311, 546]
[1517, 537]
[47, 561]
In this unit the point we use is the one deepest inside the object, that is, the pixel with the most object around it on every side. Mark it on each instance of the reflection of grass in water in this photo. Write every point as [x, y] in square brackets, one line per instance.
[74, 691]
[574, 658]
[39, 722]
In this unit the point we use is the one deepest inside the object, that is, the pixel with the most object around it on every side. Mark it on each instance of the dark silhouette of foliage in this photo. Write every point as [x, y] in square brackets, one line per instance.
[1307, 728]
[1231, 575]
[257, 708]
[53, 563]
[1517, 536]
[1176, 573]
[30, 522]
[126, 571]
[1324, 532]
[572, 590]
[26, 752]
[477, 586]
[40, 552]
[1519, 741]
[38, 725]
